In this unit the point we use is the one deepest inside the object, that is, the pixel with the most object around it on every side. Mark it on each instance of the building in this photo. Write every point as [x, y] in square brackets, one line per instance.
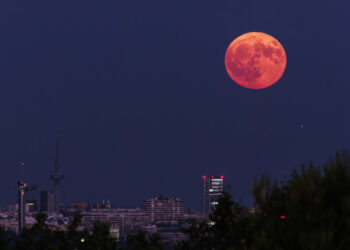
[47, 201]
[212, 189]
[126, 219]
[9, 224]
[78, 206]
[114, 232]
[194, 215]
[171, 233]
[12, 206]
[164, 209]
[103, 205]
[31, 205]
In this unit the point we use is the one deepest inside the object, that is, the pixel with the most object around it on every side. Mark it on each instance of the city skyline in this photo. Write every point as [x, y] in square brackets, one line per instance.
[142, 100]
[49, 200]
[47, 197]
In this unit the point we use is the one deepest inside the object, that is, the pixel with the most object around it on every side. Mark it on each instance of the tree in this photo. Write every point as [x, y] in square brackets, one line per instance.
[5, 239]
[228, 228]
[40, 236]
[144, 241]
[198, 234]
[100, 239]
[73, 237]
[231, 229]
[309, 211]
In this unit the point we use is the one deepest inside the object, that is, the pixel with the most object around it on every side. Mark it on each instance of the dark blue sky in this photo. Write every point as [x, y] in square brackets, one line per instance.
[139, 93]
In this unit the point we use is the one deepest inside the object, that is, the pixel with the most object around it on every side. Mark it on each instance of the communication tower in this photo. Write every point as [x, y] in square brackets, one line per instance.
[56, 177]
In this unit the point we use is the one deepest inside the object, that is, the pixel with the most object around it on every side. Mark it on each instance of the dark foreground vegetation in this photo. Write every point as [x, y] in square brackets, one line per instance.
[310, 210]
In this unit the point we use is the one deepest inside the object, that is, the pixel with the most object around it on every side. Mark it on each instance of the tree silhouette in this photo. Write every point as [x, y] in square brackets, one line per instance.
[40, 236]
[5, 239]
[228, 228]
[144, 241]
[309, 211]
[100, 239]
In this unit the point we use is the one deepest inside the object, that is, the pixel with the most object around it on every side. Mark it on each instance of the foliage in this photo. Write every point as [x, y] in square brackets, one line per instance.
[315, 204]
[231, 229]
[5, 239]
[228, 228]
[144, 241]
[40, 236]
[100, 238]
[311, 210]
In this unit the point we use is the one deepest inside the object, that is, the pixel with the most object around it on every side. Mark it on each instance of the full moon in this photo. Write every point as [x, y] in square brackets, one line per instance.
[255, 60]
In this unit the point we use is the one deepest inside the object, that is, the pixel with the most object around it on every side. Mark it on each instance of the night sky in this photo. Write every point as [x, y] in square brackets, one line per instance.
[139, 93]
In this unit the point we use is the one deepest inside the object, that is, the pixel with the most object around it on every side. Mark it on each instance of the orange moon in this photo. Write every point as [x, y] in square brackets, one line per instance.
[255, 60]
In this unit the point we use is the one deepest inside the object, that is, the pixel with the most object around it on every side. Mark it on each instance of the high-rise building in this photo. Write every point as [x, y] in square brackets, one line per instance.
[212, 189]
[57, 178]
[164, 209]
[47, 201]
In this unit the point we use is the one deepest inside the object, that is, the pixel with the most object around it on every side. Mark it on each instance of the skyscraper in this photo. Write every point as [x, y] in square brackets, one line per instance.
[212, 189]
[47, 201]
[57, 178]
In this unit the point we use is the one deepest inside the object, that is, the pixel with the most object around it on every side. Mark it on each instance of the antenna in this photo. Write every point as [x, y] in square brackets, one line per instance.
[56, 175]
[22, 171]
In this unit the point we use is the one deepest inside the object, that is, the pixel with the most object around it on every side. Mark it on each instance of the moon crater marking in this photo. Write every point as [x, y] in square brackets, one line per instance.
[255, 60]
